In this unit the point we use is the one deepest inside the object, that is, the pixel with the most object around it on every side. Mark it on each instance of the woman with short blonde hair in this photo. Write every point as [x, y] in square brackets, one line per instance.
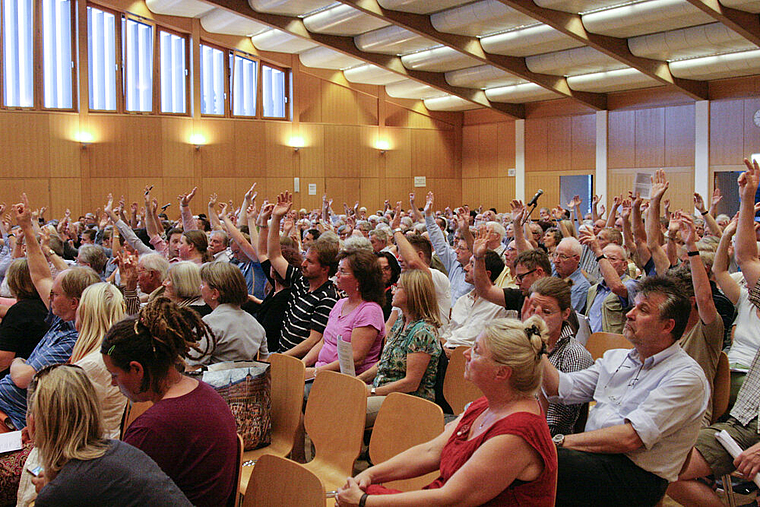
[183, 286]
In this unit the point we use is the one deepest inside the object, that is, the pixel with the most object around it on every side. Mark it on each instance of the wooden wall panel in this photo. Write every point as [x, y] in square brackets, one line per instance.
[24, 144]
[397, 189]
[505, 135]
[583, 152]
[559, 143]
[650, 137]
[434, 153]
[398, 159]
[680, 192]
[311, 158]
[279, 157]
[549, 182]
[621, 139]
[447, 192]
[65, 193]
[679, 136]
[250, 149]
[726, 131]
[177, 154]
[488, 151]
[309, 92]
[536, 148]
[751, 131]
[64, 149]
[471, 151]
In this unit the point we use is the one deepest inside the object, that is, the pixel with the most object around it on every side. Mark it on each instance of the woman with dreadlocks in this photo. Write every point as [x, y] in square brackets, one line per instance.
[189, 431]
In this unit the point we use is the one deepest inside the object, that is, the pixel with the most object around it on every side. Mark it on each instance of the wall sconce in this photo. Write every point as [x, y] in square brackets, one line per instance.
[296, 142]
[85, 138]
[382, 145]
[198, 140]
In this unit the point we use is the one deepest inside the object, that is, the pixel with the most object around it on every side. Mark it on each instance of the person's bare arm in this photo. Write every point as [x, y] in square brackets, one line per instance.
[234, 233]
[21, 373]
[559, 216]
[463, 226]
[594, 210]
[702, 290]
[248, 199]
[746, 239]
[518, 215]
[405, 249]
[263, 221]
[654, 235]
[616, 200]
[483, 286]
[643, 253]
[416, 364]
[671, 247]
[720, 265]
[305, 346]
[38, 266]
[625, 214]
[611, 277]
[618, 439]
[151, 226]
[362, 339]
[712, 225]
[188, 222]
[416, 215]
[213, 217]
[284, 203]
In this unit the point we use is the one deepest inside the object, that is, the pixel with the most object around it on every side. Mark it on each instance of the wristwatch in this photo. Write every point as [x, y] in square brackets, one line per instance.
[372, 391]
[559, 440]
[398, 229]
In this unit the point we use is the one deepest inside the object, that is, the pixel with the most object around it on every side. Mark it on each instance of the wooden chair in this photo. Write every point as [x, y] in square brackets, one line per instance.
[132, 412]
[287, 399]
[279, 482]
[403, 422]
[458, 391]
[599, 343]
[334, 420]
[234, 500]
[721, 388]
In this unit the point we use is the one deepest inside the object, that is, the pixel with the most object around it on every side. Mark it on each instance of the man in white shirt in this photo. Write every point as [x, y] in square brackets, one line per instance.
[649, 406]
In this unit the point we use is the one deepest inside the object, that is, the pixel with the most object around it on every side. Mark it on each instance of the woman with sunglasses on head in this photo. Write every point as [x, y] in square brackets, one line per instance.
[391, 271]
[498, 453]
[80, 466]
[549, 298]
[189, 431]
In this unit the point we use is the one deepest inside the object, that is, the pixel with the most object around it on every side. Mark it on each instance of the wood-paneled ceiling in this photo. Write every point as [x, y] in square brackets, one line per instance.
[459, 55]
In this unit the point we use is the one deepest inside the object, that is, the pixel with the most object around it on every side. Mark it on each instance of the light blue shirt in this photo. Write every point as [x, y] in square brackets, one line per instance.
[448, 257]
[579, 290]
[664, 398]
[595, 312]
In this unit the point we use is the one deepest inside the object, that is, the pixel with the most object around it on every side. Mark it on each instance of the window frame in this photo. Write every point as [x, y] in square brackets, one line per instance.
[256, 96]
[118, 60]
[226, 80]
[39, 47]
[188, 71]
[155, 69]
[286, 85]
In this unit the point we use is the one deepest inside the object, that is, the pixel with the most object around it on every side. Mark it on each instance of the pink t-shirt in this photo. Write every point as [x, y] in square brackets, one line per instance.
[365, 315]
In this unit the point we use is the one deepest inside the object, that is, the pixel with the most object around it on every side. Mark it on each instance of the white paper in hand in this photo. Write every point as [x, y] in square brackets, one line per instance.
[733, 448]
[10, 441]
[346, 357]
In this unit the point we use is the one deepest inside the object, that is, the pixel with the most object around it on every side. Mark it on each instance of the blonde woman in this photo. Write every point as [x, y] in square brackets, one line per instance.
[183, 286]
[409, 361]
[101, 306]
[505, 363]
[80, 467]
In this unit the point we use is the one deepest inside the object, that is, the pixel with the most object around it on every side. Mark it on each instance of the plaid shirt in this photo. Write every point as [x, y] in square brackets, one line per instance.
[568, 356]
[748, 400]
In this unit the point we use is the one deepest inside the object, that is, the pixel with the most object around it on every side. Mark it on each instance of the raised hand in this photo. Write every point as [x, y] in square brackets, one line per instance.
[429, 204]
[184, 199]
[748, 181]
[23, 214]
[699, 203]
[396, 223]
[265, 214]
[688, 231]
[518, 211]
[602, 210]
[212, 200]
[716, 197]
[625, 209]
[575, 201]
[284, 202]
[251, 194]
[659, 184]
[479, 246]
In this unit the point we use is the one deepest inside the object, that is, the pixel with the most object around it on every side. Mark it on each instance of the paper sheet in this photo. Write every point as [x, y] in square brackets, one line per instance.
[733, 449]
[10, 441]
[643, 185]
[346, 357]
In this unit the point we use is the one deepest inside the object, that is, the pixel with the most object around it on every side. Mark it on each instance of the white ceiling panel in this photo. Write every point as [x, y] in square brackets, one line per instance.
[342, 20]
[408, 89]
[449, 103]
[281, 42]
[421, 6]
[718, 67]
[703, 40]
[441, 59]
[482, 76]
[392, 40]
[288, 7]
[533, 40]
[221, 21]
[611, 81]
[743, 5]
[325, 58]
[371, 75]
[577, 6]
[528, 92]
[644, 18]
[184, 8]
[572, 62]
[479, 18]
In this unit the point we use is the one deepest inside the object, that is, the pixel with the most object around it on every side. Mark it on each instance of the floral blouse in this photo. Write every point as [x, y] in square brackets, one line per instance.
[418, 337]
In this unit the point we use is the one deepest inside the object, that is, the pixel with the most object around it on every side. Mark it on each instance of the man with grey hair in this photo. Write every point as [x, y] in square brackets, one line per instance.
[217, 246]
[566, 259]
[379, 238]
[94, 257]
[151, 272]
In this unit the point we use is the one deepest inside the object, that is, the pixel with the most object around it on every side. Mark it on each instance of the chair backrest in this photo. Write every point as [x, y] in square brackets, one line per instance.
[132, 412]
[721, 388]
[334, 419]
[233, 501]
[279, 482]
[287, 397]
[458, 391]
[599, 343]
[403, 422]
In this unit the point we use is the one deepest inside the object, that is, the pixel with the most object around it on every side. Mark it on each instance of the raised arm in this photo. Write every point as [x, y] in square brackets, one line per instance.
[416, 215]
[483, 285]
[188, 222]
[725, 281]
[263, 225]
[405, 249]
[463, 226]
[518, 215]
[654, 235]
[712, 225]
[616, 200]
[440, 245]
[38, 266]
[151, 217]
[702, 290]
[213, 217]
[284, 203]
[746, 239]
[126, 231]
[248, 199]
[248, 249]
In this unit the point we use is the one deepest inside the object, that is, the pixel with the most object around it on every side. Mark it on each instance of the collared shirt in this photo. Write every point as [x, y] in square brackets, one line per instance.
[663, 397]
[602, 291]
[747, 403]
[468, 318]
[449, 260]
[579, 290]
[589, 264]
[307, 310]
[568, 356]
[54, 348]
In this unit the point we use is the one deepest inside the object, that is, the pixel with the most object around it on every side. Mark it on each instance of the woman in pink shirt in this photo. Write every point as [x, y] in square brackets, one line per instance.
[357, 318]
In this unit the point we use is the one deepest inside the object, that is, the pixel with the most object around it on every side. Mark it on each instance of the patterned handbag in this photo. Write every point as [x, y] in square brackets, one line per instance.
[246, 387]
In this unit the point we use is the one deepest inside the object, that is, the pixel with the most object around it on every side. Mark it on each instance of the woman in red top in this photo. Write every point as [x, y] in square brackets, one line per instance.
[499, 452]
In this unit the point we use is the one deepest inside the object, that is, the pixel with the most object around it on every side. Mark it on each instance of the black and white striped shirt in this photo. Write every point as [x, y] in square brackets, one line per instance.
[306, 310]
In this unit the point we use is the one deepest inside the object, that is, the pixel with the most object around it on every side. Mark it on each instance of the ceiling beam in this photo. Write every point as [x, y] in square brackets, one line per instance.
[572, 25]
[746, 24]
[470, 46]
[346, 46]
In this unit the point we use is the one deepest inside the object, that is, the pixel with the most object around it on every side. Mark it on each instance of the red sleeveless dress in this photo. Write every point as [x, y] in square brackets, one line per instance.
[531, 427]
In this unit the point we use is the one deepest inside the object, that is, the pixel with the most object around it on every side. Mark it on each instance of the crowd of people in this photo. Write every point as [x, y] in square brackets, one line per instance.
[126, 301]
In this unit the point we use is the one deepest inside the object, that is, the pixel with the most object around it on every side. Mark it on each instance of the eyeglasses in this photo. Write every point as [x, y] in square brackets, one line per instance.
[562, 256]
[545, 312]
[519, 278]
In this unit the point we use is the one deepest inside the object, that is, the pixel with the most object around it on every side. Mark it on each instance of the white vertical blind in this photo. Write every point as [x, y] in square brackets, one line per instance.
[18, 53]
[212, 80]
[138, 60]
[274, 93]
[101, 47]
[173, 73]
[57, 54]
[243, 86]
